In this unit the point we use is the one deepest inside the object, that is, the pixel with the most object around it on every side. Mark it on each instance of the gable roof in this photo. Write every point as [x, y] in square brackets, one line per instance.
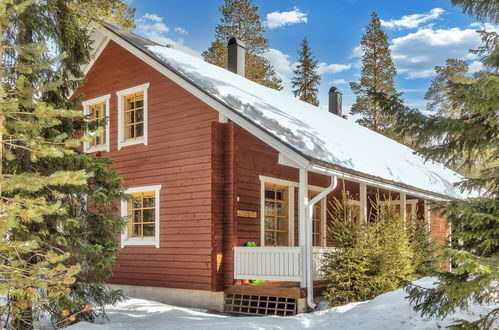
[318, 136]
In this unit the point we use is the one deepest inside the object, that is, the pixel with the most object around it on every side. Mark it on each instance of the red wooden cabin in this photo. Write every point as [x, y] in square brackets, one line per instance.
[218, 161]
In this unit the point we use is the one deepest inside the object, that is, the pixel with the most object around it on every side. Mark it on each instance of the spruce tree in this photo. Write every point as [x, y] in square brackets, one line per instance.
[75, 221]
[306, 77]
[378, 72]
[472, 135]
[241, 20]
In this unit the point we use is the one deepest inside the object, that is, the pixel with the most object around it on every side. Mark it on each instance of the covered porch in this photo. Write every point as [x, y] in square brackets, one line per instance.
[290, 251]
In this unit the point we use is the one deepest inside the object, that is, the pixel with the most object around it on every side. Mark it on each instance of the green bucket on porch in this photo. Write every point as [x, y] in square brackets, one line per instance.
[254, 282]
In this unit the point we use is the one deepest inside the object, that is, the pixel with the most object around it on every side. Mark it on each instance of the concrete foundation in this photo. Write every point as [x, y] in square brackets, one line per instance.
[177, 297]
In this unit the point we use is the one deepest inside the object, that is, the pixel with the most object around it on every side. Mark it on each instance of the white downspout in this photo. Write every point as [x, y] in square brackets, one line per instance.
[309, 241]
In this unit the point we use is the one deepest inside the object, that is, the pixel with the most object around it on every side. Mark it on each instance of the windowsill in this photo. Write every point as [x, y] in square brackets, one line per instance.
[140, 241]
[96, 149]
[127, 143]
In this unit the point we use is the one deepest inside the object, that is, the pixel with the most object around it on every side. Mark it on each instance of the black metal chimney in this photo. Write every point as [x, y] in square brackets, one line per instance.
[335, 98]
[236, 56]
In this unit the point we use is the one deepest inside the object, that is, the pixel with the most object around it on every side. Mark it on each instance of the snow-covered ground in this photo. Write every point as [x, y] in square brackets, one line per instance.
[388, 311]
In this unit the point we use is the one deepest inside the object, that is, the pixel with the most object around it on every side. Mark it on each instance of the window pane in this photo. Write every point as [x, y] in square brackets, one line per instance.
[149, 215]
[129, 132]
[280, 195]
[269, 223]
[129, 117]
[136, 230]
[270, 208]
[317, 240]
[139, 115]
[136, 203]
[269, 194]
[139, 103]
[281, 209]
[149, 201]
[269, 238]
[136, 216]
[149, 230]
[282, 238]
[139, 130]
[281, 224]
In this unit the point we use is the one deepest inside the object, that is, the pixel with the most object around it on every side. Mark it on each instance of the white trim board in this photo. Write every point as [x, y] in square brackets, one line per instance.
[125, 240]
[121, 108]
[86, 104]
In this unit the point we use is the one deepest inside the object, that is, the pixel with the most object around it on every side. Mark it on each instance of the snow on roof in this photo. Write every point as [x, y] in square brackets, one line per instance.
[317, 134]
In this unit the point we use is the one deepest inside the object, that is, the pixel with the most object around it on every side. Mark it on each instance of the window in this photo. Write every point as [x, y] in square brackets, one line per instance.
[97, 110]
[132, 116]
[276, 215]
[143, 216]
[318, 220]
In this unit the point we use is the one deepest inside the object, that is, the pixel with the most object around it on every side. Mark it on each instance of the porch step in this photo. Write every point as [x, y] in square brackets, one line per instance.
[262, 300]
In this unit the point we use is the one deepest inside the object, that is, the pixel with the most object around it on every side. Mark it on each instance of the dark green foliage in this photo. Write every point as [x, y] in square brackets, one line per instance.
[426, 253]
[241, 20]
[71, 218]
[377, 75]
[470, 140]
[369, 258]
[306, 77]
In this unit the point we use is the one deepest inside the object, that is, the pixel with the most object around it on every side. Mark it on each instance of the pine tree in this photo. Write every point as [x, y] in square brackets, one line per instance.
[306, 77]
[241, 20]
[73, 225]
[474, 222]
[453, 71]
[377, 75]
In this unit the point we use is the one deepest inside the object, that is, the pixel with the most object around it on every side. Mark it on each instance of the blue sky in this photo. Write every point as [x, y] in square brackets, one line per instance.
[422, 34]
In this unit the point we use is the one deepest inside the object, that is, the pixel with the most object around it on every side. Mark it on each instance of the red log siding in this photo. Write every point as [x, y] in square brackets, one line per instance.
[441, 232]
[179, 156]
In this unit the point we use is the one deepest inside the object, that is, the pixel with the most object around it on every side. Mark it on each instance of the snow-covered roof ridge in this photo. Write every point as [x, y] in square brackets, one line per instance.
[316, 134]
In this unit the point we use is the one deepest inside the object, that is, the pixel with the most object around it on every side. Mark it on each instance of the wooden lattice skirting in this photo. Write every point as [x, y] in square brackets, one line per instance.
[260, 305]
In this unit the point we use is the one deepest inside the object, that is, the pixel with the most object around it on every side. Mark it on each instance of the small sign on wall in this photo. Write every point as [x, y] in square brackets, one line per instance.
[246, 214]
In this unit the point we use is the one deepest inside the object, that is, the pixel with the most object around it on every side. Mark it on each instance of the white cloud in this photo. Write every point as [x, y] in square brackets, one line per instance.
[180, 30]
[412, 21]
[416, 54]
[475, 66]
[282, 65]
[338, 82]
[278, 19]
[333, 68]
[152, 26]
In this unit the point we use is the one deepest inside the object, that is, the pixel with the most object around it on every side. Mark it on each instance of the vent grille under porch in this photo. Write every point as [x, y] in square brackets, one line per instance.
[260, 305]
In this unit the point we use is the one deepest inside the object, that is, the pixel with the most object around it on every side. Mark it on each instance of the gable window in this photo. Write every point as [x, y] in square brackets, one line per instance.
[97, 111]
[132, 116]
[143, 216]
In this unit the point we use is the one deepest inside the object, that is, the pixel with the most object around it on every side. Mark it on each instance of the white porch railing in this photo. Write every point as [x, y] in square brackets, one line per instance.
[275, 263]
[268, 263]
[317, 256]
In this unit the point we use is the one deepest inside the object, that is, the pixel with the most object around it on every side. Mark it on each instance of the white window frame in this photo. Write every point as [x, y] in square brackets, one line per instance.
[125, 240]
[121, 109]
[86, 104]
[291, 185]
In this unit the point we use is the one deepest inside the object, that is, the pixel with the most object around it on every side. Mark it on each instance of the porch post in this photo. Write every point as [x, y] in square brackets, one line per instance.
[302, 220]
[363, 202]
[403, 207]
